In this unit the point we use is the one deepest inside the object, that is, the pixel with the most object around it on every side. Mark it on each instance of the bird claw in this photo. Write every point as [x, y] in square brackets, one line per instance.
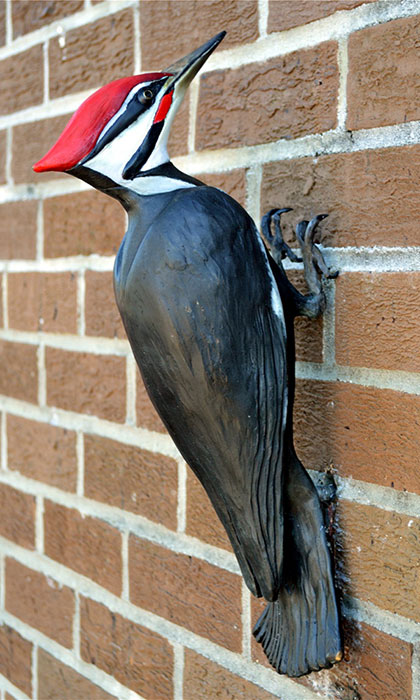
[305, 235]
[279, 243]
[313, 260]
[278, 246]
[315, 267]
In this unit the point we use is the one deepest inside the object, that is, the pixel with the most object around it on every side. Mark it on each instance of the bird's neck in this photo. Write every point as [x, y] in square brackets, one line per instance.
[159, 180]
[163, 178]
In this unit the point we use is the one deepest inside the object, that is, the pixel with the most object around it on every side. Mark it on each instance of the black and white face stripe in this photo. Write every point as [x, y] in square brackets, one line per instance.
[133, 145]
[143, 153]
[134, 141]
[139, 100]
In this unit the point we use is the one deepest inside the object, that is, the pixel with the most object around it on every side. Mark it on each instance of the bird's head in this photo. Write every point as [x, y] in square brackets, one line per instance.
[121, 131]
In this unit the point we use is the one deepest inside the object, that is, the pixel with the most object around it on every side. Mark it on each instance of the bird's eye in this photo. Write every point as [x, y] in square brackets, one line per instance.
[145, 96]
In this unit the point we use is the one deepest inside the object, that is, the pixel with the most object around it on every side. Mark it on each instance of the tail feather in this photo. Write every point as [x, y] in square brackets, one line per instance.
[299, 631]
[296, 636]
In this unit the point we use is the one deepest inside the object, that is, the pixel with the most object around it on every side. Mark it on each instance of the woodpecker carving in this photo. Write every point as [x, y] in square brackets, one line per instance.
[209, 316]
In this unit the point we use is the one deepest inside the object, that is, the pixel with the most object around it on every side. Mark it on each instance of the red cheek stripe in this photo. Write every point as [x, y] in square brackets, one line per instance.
[163, 108]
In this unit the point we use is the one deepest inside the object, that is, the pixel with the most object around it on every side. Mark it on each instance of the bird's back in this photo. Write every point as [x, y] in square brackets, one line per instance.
[196, 301]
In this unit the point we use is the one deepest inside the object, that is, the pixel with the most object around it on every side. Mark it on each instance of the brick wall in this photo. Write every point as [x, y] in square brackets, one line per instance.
[116, 579]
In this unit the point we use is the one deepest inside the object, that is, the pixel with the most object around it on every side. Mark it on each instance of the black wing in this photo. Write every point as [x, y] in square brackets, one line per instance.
[206, 328]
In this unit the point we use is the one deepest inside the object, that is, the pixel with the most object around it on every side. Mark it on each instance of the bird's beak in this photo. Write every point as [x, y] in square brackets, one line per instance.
[185, 69]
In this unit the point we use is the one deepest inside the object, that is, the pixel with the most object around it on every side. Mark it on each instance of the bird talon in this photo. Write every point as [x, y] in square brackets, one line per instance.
[312, 227]
[300, 232]
[283, 211]
[313, 257]
[278, 246]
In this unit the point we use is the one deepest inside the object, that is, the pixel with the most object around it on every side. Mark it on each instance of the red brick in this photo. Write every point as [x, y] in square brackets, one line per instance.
[205, 679]
[18, 516]
[2, 23]
[233, 182]
[334, 183]
[147, 416]
[101, 312]
[40, 601]
[56, 680]
[178, 136]
[202, 521]
[308, 331]
[27, 151]
[137, 657]
[382, 84]
[21, 378]
[30, 16]
[377, 323]
[379, 557]
[43, 452]
[18, 222]
[186, 591]
[193, 20]
[43, 302]
[92, 55]
[85, 544]
[22, 83]
[93, 384]
[16, 659]
[365, 433]
[284, 97]
[136, 480]
[289, 13]
[82, 224]
[3, 141]
[376, 666]
[308, 339]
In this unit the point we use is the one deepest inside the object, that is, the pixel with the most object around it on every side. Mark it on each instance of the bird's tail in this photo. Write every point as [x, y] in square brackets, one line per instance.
[299, 632]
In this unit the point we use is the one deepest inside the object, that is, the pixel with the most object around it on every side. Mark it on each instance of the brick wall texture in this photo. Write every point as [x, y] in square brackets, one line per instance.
[116, 578]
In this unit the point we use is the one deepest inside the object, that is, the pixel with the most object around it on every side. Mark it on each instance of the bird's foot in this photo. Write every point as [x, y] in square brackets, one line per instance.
[315, 267]
[314, 262]
[278, 246]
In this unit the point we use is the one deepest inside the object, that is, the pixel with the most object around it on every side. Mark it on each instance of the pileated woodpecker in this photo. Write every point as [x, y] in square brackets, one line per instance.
[209, 316]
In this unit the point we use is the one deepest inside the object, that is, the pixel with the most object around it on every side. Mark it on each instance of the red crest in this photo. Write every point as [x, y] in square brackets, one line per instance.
[82, 132]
